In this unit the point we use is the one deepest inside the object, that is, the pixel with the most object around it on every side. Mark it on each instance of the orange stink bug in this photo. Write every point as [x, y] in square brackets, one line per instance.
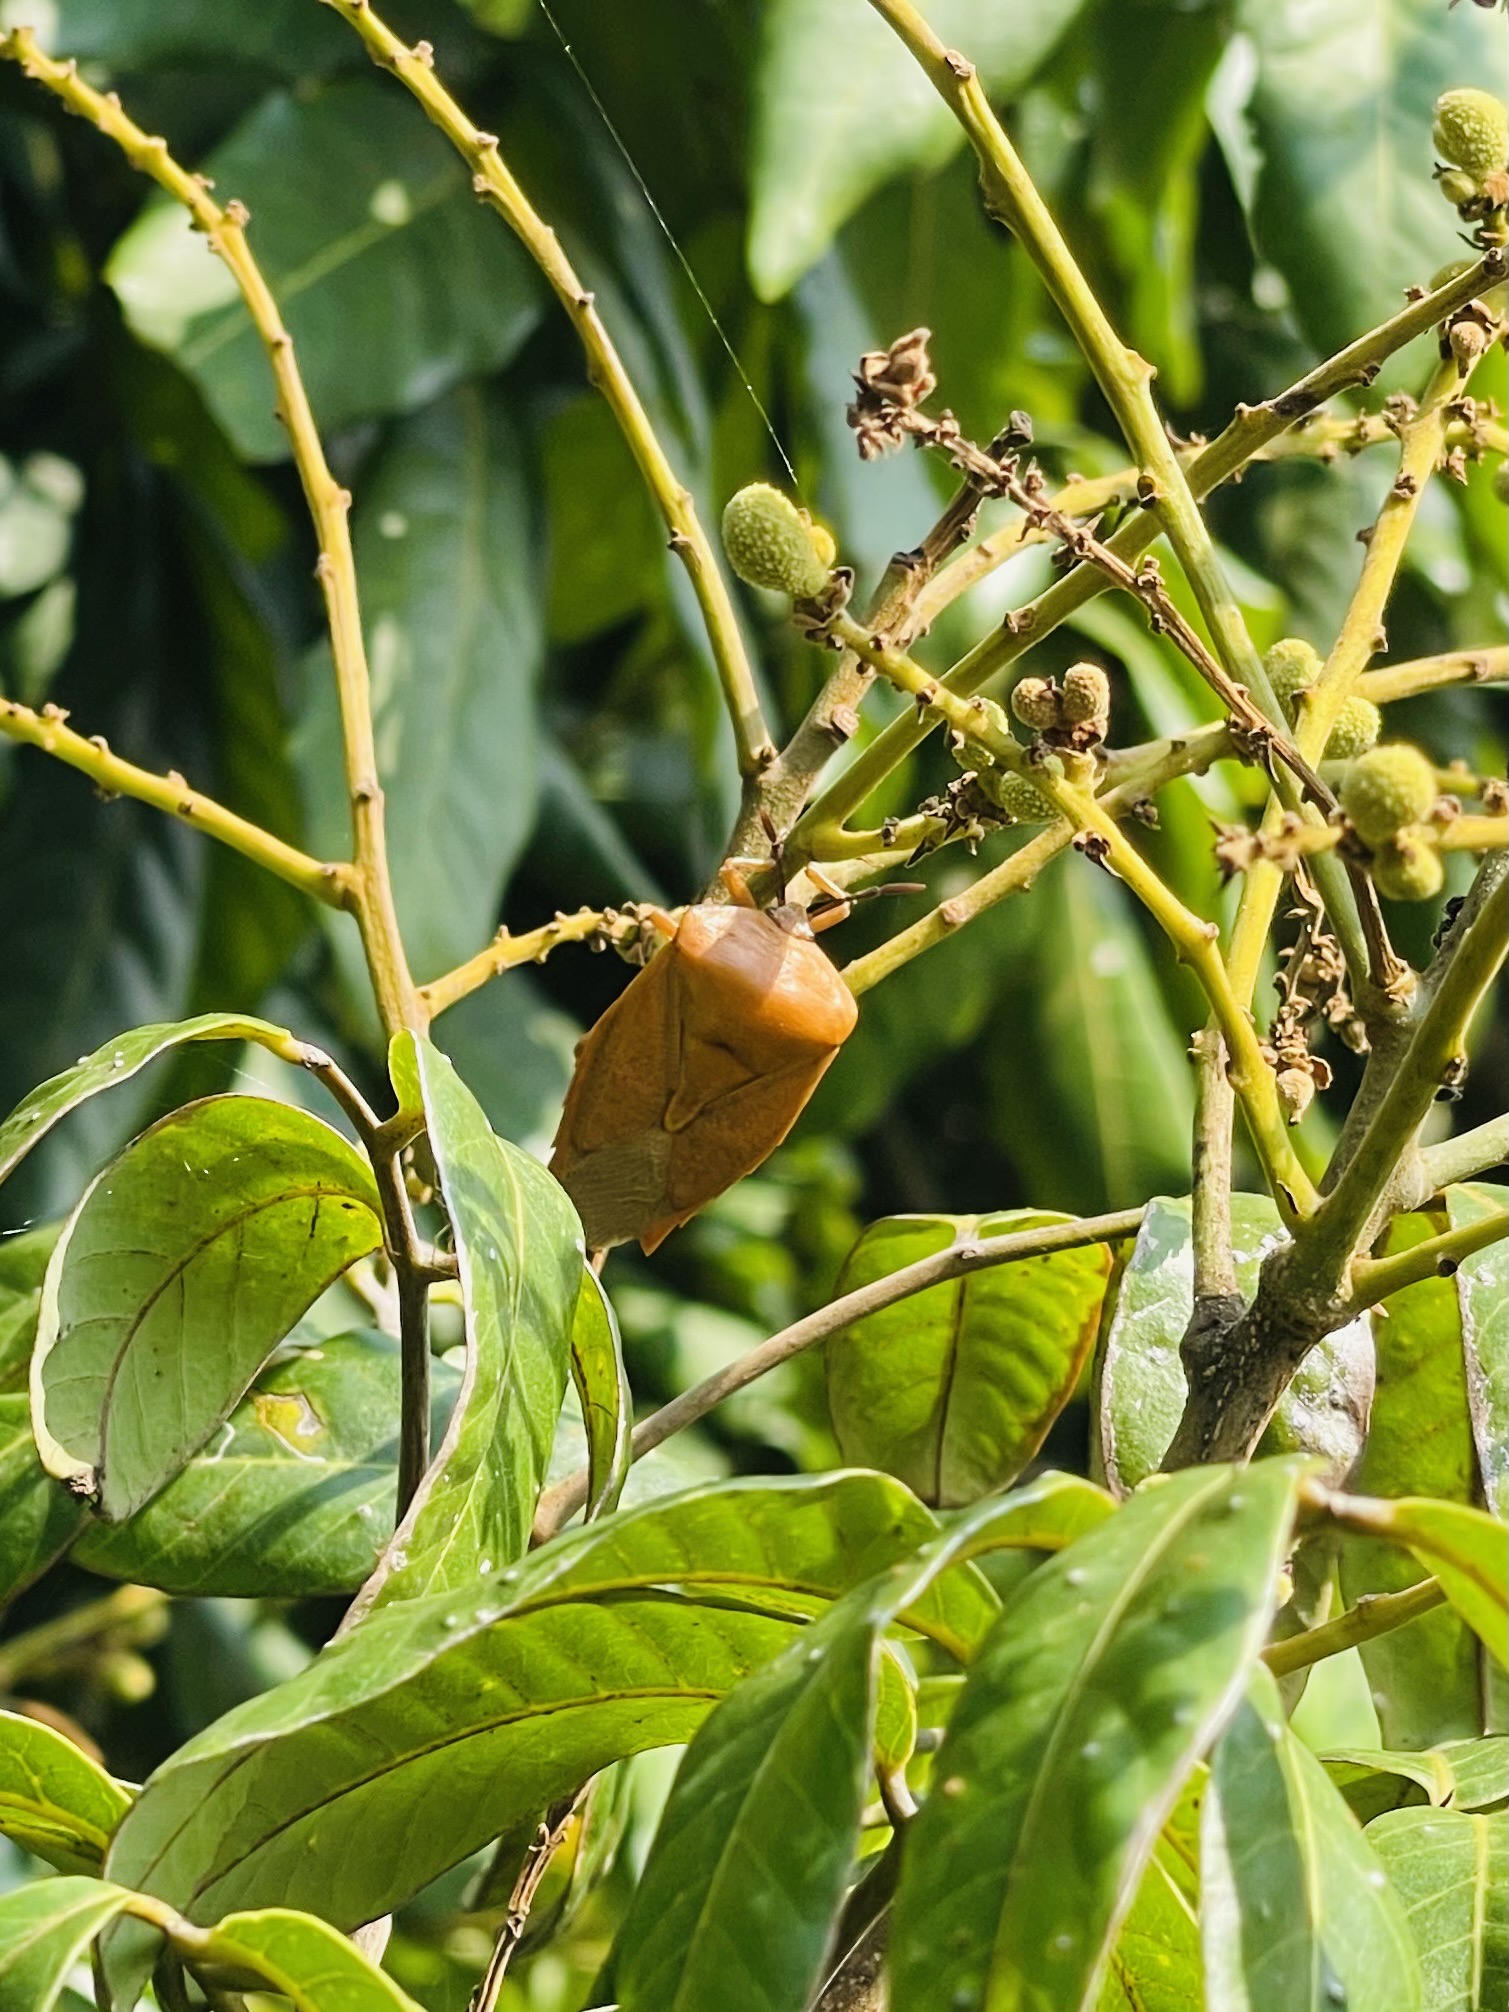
[700, 1067]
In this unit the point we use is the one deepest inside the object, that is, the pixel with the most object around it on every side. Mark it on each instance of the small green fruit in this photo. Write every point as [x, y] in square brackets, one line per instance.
[1021, 799]
[1357, 728]
[1035, 703]
[1086, 694]
[1291, 664]
[1458, 187]
[1408, 867]
[770, 543]
[1471, 130]
[1386, 789]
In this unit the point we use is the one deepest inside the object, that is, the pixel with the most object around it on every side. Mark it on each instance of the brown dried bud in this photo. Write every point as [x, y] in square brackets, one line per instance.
[1035, 703]
[1086, 694]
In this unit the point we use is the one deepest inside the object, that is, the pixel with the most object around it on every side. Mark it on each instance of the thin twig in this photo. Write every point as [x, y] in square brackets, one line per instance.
[560, 1502]
[537, 1859]
[1375, 1614]
[1376, 1279]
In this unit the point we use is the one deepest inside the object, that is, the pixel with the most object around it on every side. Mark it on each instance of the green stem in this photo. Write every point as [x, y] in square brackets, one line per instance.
[1374, 1614]
[1470, 1153]
[1375, 1279]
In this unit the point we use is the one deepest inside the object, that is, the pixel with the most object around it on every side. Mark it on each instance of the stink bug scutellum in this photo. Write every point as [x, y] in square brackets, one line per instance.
[700, 1068]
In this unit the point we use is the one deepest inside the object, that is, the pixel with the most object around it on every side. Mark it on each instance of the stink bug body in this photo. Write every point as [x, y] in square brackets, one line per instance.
[699, 1069]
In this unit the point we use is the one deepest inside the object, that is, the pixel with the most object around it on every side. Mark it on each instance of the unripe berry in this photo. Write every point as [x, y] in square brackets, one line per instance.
[1035, 703]
[1458, 187]
[770, 543]
[1022, 800]
[1386, 789]
[1471, 130]
[1086, 694]
[1357, 728]
[1291, 664]
[1408, 867]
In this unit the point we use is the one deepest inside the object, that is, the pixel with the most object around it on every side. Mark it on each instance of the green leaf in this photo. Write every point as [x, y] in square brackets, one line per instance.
[23, 1265]
[117, 1062]
[486, 1704]
[279, 35]
[393, 281]
[1155, 1964]
[446, 554]
[1373, 1779]
[518, 1246]
[1451, 1871]
[1105, 1677]
[1297, 1916]
[182, 1267]
[54, 1800]
[786, 1758]
[954, 1389]
[1091, 1090]
[840, 107]
[1139, 1388]
[316, 1969]
[1341, 115]
[1425, 1679]
[760, 1827]
[1483, 1300]
[294, 1497]
[45, 1930]
[606, 544]
[602, 1388]
[1480, 1772]
[38, 1517]
[1465, 1549]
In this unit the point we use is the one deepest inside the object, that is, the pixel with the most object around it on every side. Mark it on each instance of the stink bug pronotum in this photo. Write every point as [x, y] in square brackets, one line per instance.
[700, 1068]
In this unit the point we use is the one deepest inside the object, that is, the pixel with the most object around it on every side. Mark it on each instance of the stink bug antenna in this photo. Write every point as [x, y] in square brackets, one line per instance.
[670, 237]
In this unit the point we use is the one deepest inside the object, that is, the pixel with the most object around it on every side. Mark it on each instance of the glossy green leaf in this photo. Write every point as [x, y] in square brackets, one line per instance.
[1479, 1772]
[45, 1930]
[23, 1265]
[305, 1960]
[446, 553]
[182, 1267]
[391, 278]
[1451, 1871]
[117, 1062]
[486, 1703]
[1139, 1387]
[760, 1828]
[294, 1497]
[1483, 1300]
[1425, 1679]
[602, 1388]
[1341, 116]
[1105, 1677]
[1465, 1549]
[606, 544]
[1155, 1963]
[1372, 1779]
[54, 1800]
[518, 1246]
[1296, 1914]
[820, 144]
[38, 1516]
[954, 1389]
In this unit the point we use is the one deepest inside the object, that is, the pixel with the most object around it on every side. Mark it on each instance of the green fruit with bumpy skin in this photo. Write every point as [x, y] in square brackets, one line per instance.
[1086, 694]
[1386, 789]
[1291, 664]
[770, 543]
[1035, 703]
[1471, 130]
[1458, 187]
[1021, 799]
[1408, 867]
[1357, 728]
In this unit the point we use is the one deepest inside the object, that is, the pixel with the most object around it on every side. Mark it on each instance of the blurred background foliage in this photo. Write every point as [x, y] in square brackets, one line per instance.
[1247, 182]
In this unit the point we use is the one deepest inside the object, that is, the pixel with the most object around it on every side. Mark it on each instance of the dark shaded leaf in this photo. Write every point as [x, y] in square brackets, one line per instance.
[392, 280]
[954, 1389]
[23, 1265]
[38, 1516]
[183, 1266]
[602, 1388]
